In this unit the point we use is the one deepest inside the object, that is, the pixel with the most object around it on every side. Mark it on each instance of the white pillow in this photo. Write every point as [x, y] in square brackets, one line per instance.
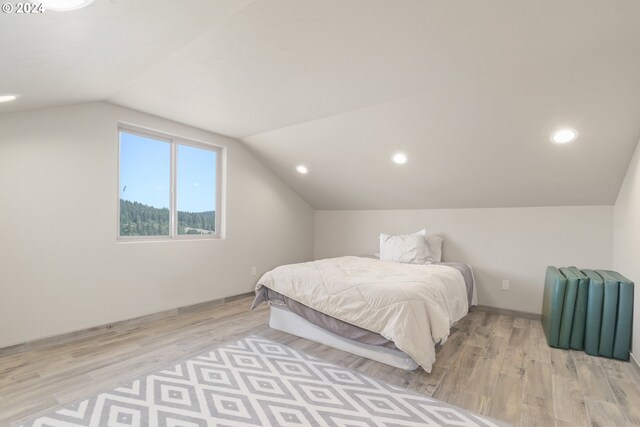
[434, 245]
[422, 232]
[410, 249]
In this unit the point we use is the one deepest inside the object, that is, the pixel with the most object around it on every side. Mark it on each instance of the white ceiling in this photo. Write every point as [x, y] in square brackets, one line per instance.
[469, 90]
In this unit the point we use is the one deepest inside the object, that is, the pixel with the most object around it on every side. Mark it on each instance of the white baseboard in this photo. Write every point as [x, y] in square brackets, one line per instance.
[634, 363]
[508, 312]
[66, 337]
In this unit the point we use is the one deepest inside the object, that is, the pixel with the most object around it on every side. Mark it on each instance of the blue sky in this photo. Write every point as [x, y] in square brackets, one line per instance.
[145, 174]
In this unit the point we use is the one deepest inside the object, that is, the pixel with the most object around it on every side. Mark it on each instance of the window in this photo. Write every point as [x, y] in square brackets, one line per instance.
[168, 187]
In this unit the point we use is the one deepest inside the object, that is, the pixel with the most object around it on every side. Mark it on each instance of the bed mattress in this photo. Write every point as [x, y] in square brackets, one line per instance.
[343, 328]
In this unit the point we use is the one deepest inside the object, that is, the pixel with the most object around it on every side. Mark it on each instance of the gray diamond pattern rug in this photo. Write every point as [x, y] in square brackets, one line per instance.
[257, 382]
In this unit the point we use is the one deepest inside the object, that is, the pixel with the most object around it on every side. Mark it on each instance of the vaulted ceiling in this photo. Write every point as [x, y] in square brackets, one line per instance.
[470, 91]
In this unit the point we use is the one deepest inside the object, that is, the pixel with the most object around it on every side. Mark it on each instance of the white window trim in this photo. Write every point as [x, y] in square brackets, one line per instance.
[174, 141]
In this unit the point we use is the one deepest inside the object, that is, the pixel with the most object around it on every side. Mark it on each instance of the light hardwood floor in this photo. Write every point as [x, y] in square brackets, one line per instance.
[493, 364]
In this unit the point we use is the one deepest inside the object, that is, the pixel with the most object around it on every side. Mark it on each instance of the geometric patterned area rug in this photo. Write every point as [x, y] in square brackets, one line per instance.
[257, 382]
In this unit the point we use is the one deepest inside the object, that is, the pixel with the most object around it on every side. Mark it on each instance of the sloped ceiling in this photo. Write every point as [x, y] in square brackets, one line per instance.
[470, 91]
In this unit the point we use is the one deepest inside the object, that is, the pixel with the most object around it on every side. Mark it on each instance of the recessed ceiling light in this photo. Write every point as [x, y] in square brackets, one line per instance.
[399, 158]
[8, 97]
[63, 5]
[302, 169]
[563, 136]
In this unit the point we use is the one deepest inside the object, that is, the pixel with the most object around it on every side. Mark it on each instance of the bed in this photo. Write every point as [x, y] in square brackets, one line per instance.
[390, 312]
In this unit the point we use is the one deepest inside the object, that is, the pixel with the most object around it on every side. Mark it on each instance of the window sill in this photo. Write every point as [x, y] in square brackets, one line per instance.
[155, 239]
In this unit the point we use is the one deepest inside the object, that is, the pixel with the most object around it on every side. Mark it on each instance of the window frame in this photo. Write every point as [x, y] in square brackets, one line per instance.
[174, 141]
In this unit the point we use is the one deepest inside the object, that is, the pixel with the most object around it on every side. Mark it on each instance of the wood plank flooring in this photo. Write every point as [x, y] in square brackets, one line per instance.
[493, 364]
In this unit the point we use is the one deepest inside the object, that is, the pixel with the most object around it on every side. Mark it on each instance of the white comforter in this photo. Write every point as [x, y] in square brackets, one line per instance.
[412, 305]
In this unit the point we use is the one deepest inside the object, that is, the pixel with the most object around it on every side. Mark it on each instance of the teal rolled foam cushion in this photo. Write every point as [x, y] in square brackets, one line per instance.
[568, 309]
[555, 285]
[622, 340]
[609, 314]
[580, 312]
[595, 297]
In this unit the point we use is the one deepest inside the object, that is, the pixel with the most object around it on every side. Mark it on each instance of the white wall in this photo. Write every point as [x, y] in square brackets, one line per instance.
[61, 268]
[626, 237]
[501, 243]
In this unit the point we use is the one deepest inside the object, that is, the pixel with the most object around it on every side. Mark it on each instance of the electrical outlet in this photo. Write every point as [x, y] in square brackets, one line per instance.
[505, 285]
[253, 271]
